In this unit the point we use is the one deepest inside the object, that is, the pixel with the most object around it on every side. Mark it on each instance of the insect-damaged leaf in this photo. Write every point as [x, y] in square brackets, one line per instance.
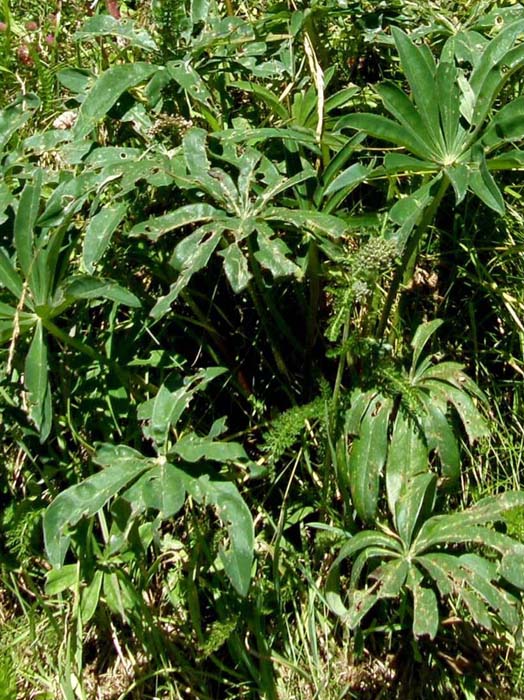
[368, 456]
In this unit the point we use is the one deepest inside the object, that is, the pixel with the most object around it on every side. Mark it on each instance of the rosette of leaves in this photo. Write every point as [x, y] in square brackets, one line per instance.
[239, 217]
[447, 125]
[39, 283]
[397, 426]
[426, 557]
[184, 465]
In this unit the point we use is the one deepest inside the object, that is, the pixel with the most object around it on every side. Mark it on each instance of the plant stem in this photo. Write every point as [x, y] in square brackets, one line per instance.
[312, 314]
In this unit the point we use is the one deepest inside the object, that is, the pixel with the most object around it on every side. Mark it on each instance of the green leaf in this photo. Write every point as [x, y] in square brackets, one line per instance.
[193, 448]
[441, 438]
[99, 232]
[420, 339]
[186, 215]
[490, 509]
[199, 11]
[403, 109]
[474, 423]
[271, 255]
[504, 605]
[9, 277]
[440, 575]
[60, 580]
[235, 267]
[401, 163]
[195, 154]
[365, 540]
[26, 216]
[106, 91]
[506, 125]
[407, 457]
[425, 612]
[85, 499]
[119, 594]
[106, 25]
[349, 178]
[448, 96]
[12, 118]
[408, 211]
[421, 78]
[390, 578]
[166, 410]
[90, 597]
[237, 556]
[415, 503]
[86, 287]
[359, 604]
[485, 80]
[459, 177]
[193, 253]
[264, 95]
[359, 404]
[481, 182]
[190, 81]
[512, 567]
[388, 130]
[368, 456]
[478, 610]
[37, 383]
[161, 488]
[314, 221]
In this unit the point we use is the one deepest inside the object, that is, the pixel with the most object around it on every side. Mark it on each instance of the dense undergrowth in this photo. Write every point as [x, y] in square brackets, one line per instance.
[261, 324]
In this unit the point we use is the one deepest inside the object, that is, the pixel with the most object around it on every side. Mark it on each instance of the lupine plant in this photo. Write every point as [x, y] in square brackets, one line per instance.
[246, 450]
